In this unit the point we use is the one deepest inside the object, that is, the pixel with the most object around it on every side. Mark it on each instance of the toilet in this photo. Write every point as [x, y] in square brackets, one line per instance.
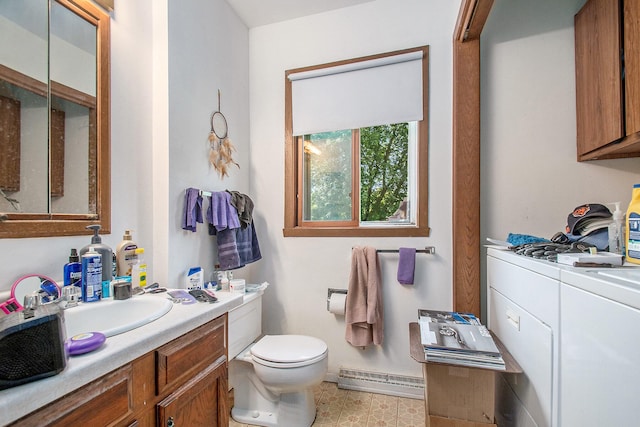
[273, 376]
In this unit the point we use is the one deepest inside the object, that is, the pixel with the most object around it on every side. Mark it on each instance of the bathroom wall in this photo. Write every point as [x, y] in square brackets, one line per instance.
[165, 73]
[530, 179]
[208, 50]
[301, 269]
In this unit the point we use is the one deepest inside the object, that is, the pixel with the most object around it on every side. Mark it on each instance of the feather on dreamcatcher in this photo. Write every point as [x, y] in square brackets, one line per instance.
[220, 146]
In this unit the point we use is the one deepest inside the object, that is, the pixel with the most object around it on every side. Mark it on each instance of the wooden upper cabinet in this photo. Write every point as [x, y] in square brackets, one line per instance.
[607, 49]
[632, 64]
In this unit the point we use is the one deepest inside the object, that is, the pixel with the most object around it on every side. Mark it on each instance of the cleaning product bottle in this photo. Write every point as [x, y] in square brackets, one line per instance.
[72, 272]
[125, 254]
[633, 227]
[616, 231]
[105, 253]
[139, 270]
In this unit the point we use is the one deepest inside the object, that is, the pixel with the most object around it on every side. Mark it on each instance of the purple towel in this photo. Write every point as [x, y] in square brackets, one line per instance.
[192, 209]
[406, 265]
[220, 213]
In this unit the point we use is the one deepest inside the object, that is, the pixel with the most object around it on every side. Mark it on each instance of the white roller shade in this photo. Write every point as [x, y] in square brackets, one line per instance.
[360, 94]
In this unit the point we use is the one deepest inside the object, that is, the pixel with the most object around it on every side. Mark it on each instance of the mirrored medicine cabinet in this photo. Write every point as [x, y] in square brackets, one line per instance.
[54, 118]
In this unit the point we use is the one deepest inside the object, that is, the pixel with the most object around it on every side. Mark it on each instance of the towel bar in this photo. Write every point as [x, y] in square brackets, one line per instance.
[431, 250]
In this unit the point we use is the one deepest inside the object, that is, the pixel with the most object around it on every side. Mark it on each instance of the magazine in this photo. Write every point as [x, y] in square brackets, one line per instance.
[448, 316]
[458, 338]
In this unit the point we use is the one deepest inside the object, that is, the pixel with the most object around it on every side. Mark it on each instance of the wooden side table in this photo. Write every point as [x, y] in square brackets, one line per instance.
[458, 396]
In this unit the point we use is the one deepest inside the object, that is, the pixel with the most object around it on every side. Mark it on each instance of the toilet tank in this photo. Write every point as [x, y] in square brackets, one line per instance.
[245, 324]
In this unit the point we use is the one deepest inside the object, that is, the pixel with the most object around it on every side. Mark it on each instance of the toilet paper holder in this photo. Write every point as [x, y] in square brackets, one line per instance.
[334, 291]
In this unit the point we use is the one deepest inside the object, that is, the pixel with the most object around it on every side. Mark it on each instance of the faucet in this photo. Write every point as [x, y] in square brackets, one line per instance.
[70, 296]
[31, 303]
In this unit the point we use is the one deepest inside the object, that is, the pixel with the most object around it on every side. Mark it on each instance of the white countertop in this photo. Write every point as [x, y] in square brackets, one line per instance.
[620, 284]
[118, 350]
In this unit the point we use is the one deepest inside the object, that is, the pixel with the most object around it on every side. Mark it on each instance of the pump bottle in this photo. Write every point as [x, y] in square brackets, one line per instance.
[106, 255]
[616, 231]
[125, 254]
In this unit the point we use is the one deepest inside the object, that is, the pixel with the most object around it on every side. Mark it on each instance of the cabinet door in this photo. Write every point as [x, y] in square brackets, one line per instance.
[201, 402]
[632, 65]
[599, 96]
[104, 402]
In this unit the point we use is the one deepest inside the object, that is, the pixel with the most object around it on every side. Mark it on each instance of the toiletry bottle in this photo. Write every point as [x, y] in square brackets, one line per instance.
[73, 270]
[139, 270]
[91, 276]
[633, 227]
[125, 254]
[105, 253]
[195, 278]
[223, 280]
[616, 231]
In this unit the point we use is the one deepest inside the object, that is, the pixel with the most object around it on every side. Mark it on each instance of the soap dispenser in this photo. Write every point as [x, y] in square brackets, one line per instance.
[616, 231]
[105, 253]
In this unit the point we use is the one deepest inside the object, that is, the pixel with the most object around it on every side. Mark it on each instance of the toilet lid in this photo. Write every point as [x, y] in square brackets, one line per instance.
[288, 348]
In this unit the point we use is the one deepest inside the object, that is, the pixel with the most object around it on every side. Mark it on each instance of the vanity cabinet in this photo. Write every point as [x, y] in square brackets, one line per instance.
[607, 56]
[183, 382]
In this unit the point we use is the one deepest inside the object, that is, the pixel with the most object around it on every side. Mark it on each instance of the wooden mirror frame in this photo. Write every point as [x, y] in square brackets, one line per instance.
[25, 225]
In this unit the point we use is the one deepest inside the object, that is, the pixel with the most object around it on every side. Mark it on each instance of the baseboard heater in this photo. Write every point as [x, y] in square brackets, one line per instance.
[376, 382]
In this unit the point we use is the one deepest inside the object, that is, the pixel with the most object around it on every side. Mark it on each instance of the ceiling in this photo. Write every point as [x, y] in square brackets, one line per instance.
[262, 12]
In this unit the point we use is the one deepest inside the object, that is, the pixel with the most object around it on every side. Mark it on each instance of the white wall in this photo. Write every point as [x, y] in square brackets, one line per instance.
[531, 180]
[302, 269]
[208, 51]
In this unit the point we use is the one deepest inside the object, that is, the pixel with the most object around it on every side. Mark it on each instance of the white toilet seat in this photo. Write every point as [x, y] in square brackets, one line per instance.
[288, 351]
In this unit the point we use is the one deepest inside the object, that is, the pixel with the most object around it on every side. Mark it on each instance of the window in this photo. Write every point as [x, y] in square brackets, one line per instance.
[356, 149]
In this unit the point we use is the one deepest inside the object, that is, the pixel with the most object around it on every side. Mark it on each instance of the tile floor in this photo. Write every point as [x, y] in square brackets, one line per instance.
[348, 408]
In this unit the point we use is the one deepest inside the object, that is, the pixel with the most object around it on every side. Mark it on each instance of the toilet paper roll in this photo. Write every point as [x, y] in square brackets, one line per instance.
[338, 303]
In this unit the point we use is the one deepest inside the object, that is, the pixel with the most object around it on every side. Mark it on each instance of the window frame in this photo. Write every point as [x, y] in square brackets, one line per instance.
[293, 224]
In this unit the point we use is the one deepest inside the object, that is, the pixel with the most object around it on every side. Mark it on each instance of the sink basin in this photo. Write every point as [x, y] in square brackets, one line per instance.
[113, 317]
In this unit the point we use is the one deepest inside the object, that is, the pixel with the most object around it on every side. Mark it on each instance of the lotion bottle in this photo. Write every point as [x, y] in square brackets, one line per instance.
[125, 254]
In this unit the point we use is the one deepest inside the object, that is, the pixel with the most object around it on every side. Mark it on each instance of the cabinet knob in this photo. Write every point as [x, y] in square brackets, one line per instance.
[170, 422]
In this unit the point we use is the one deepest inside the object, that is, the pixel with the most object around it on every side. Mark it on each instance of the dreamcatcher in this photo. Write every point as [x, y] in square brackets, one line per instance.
[220, 146]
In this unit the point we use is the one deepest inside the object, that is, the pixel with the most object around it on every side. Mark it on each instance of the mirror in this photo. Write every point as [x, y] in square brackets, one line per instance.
[54, 118]
[46, 287]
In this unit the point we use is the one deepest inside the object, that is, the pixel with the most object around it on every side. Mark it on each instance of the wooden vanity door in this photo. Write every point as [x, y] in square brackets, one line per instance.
[199, 402]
